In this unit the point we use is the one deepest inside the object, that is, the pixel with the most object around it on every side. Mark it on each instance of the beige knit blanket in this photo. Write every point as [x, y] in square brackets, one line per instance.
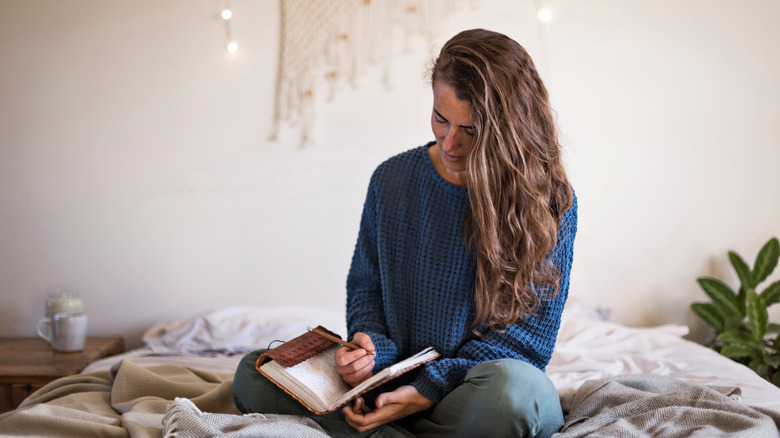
[131, 401]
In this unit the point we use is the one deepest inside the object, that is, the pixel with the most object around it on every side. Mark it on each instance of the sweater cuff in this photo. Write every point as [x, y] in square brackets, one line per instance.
[386, 351]
[428, 389]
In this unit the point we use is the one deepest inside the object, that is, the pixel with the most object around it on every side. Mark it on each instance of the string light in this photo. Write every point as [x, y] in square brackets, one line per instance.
[544, 15]
[227, 15]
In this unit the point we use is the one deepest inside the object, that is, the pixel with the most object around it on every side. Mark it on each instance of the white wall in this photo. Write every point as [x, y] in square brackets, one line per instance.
[135, 165]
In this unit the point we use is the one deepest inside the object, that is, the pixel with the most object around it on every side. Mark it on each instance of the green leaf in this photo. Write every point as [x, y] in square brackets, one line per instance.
[734, 323]
[721, 294]
[766, 260]
[742, 339]
[736, 351]
[742, 300]
[776, 379]
[743, 270]
[761, 368]
[758, 317]
[771, 294]
[773, 328]
[773, 360]
[710, 313]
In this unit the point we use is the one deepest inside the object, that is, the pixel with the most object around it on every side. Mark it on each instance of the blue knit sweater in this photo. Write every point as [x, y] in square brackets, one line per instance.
[411, 283]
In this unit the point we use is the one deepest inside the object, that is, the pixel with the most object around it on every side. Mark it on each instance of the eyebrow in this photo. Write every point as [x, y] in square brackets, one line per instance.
[444, 118]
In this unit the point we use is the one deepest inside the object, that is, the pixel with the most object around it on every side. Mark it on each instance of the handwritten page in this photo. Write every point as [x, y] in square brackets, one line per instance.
[319, 375]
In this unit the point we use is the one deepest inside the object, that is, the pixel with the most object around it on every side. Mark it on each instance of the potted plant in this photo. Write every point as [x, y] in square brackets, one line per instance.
[740, 319]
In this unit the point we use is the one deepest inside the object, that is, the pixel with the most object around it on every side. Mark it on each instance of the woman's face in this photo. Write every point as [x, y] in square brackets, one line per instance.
[454, 132]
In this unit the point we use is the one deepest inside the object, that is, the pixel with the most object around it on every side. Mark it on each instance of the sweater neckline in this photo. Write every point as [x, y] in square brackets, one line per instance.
[443, 183]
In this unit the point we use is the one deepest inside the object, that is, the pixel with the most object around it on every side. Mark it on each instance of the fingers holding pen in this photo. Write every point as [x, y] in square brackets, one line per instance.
[364, 341]
[354, 366]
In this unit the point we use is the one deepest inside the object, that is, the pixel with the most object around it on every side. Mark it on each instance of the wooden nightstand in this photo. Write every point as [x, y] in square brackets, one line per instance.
[27, 364]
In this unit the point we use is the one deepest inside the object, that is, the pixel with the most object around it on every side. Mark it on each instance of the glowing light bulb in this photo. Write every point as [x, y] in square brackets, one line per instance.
[227, 14]
[544, 15]
[232, 47]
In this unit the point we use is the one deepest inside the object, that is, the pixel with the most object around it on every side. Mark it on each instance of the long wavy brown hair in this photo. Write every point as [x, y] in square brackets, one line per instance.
[517, 185]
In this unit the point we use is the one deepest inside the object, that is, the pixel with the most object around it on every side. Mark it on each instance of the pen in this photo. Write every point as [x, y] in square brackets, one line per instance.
[334, 338]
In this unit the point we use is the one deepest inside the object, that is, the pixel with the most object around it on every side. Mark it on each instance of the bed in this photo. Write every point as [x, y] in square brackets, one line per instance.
[612, 380]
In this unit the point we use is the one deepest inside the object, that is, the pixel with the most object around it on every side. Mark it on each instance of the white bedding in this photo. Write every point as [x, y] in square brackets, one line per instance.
[587, 348]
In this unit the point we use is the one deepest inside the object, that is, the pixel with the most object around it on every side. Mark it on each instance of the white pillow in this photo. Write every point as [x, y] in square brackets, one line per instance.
[238, 329]
[575, 308]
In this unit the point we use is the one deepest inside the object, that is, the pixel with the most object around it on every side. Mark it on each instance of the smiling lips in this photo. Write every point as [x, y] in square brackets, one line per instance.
[449, 157]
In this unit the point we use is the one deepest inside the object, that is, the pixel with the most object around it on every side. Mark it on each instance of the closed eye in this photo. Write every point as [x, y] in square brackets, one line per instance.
[441, 120]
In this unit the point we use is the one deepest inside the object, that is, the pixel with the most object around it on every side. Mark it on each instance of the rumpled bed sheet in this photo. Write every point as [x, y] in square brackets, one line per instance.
[132, 401]
[237, 329]
[657, 406]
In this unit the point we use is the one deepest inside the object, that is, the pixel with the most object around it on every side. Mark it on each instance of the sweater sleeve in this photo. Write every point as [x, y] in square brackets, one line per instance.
[531, 341]
[365, 307]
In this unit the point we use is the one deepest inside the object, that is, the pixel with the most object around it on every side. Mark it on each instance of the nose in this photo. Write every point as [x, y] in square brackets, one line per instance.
[452, 139]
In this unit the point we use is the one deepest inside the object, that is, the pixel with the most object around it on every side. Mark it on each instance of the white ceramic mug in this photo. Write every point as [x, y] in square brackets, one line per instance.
[65, 332]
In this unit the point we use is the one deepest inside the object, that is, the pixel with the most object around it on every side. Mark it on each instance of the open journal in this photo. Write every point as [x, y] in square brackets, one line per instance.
[305, 368]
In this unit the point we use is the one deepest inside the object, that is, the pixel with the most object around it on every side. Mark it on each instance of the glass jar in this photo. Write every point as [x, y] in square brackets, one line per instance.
[63, 302]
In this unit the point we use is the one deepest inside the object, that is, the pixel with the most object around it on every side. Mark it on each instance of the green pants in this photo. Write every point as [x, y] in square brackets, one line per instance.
[502, 398]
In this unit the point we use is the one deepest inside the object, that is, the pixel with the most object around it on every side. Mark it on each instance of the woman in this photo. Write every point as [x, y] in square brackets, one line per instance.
[465, 244]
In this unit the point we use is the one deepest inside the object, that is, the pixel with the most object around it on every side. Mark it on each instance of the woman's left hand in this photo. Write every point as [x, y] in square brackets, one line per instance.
[390, 406]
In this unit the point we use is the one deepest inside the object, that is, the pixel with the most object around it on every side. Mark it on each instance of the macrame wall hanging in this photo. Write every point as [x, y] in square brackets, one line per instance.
[327, 42]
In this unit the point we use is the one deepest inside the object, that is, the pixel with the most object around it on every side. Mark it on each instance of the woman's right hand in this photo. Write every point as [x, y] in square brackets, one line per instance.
[355, 366]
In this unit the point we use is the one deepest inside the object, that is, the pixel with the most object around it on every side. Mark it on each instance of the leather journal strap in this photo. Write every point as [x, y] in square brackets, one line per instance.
[299, 349]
